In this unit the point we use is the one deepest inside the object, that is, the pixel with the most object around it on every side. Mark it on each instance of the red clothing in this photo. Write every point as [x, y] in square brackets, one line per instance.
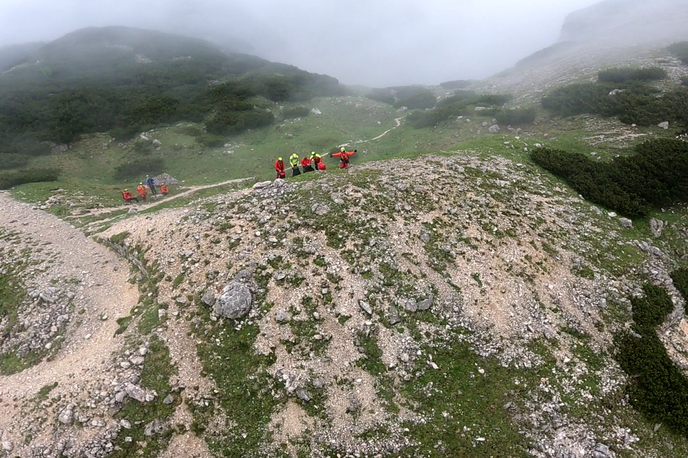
[142, 192]
[127, 196]
[279, 168]
[321, 166]
[344, 158]
[306, 161]
[163, 189]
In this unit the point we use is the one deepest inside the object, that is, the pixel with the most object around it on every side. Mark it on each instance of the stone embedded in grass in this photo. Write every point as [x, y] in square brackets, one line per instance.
[235, 302]
[208, 297]
[425, 304]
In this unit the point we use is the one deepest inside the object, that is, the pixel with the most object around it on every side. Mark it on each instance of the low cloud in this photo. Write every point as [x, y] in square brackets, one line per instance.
[375, 43]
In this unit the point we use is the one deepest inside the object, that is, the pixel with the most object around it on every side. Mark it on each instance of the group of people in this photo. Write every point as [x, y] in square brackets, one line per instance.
[311, 163]
[142, 190]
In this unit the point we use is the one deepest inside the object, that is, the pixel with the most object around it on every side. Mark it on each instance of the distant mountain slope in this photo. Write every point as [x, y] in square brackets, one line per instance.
[628, 22]
[13, 55]
[125, 80]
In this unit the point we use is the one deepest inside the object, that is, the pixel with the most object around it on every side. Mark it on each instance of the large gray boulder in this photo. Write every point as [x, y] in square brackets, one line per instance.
[235, 302]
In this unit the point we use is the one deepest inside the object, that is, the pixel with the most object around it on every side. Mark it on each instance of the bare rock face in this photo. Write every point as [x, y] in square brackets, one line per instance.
[235, 302]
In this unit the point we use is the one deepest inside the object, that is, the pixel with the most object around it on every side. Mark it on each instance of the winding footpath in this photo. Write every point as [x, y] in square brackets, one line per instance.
[103, 292]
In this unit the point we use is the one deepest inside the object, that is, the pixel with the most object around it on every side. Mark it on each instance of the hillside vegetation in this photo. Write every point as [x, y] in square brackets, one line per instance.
[125, 81]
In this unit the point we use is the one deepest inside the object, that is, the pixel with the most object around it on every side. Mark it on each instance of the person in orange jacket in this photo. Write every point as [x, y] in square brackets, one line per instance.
[142, 192]
[128, 197]
[279, 168]
[344, 156]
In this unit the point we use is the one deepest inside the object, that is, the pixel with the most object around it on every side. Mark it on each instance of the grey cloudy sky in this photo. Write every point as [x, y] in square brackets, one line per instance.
[370, 42]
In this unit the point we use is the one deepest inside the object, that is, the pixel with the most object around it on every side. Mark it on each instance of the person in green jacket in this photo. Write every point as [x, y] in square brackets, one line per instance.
[294, 162]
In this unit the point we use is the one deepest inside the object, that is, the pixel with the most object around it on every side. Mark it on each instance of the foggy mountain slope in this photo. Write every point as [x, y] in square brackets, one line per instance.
[609, 34]
[13, 55]
[627, 22]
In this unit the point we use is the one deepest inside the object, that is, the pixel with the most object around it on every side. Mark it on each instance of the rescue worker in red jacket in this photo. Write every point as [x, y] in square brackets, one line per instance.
[344, 156]
[279, 168]
[142, 190]
[128, 197]
[306, 164]
[316, 159]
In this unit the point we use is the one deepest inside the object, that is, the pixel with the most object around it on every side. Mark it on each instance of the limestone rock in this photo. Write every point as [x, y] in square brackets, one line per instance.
[235, 302]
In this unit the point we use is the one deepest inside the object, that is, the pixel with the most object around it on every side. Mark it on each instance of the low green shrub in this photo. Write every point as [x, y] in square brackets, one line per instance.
[210, 141]
[654, 175]
[680, 278]
[576, 99]
[516, 117]
[650, 310]
[12, 161]
[12, 178]
[296, 112]
[135, 168]
[234, 122]
[465, 97]
[494, 99]
[595, 181]
[421, 119]
[680, 50]
[623, 75]
[382, 95]
[191, 131]
[633, 102]
[657, 387]
[420, 101]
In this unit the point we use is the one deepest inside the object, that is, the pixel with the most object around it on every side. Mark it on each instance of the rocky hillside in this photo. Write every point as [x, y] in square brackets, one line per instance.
[452, 305]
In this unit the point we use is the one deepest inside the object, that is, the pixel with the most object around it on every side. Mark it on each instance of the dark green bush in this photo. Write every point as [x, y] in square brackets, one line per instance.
[191, 131]
[210, 141]
[296, 112]
[653, 176]
[680, 50]
[634, 103]
[233, 122]
[657, 388]
[516, 117]
[576, 99]
[138, 167]
[421, 119]
[623, 75]
[651, 309]
[465, 97]
[494, 99]
[657, 171]
[420, 101]
[680, 278]
[684, 80]
[596, 181]
[12, 161]
[142, 147]
[12, 178]
[382, 95]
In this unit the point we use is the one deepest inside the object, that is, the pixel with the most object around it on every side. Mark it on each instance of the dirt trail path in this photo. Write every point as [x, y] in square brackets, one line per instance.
[158, 201]
[103, 293]
[398, 123]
